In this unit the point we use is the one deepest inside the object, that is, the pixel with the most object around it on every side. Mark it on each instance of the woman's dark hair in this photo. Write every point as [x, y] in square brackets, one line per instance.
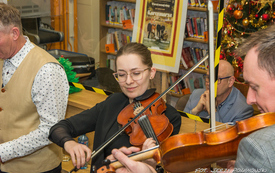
[138, 49]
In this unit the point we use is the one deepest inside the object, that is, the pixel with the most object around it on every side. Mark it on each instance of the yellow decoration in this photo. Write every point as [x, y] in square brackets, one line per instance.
[263, 3]
[234, 63]
[260, 21]
[245, 22]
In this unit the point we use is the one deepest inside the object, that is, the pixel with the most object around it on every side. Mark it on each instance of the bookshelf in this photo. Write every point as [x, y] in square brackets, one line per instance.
[104, 30]
[199, 9]
[196, 41]
[161, 78]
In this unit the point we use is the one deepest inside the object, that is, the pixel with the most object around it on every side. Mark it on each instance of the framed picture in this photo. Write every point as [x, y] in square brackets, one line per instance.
[160, 25]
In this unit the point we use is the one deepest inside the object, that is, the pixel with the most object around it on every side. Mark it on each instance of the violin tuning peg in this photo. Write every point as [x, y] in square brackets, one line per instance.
[106, 162]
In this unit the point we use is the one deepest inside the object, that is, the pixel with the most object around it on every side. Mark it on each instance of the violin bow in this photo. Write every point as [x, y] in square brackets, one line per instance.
[102, 146]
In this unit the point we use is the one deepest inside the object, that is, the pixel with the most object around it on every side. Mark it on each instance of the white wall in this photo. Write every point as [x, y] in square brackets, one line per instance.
[88, 27]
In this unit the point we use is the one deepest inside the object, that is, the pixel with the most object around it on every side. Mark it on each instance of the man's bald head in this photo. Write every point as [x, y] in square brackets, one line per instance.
[225, 69]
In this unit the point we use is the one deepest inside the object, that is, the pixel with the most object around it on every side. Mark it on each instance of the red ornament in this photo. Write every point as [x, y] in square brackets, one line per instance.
[256, 15]
[240, 63]
[265, 17]
[228, 32]
[230, 8]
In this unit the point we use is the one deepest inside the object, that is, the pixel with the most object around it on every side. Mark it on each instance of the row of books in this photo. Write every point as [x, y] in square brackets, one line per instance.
[192, 81]
[197, 3]
[180, 86]
[196, 25]
[118, 37]
[192, 53]
[116, 12]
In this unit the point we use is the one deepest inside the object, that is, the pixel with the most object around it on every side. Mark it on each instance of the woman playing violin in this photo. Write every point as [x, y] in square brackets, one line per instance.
[134, 70]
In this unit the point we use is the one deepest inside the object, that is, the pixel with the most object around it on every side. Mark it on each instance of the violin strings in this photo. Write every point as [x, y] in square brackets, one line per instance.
[147, 128]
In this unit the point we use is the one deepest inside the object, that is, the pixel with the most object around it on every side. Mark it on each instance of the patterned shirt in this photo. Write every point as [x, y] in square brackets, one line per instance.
[49, 94]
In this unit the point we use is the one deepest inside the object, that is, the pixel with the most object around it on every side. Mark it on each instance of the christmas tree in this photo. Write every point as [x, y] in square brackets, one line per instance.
[241, 19]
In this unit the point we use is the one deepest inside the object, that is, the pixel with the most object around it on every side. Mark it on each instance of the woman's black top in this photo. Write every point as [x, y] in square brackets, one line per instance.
[102, 119]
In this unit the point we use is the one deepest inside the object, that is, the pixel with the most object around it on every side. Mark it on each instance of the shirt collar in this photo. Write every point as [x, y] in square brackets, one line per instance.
[21, 54]
[222, 103]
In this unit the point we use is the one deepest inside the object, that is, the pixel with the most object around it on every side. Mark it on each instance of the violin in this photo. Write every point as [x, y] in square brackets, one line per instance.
[137, 131]
[188, 151]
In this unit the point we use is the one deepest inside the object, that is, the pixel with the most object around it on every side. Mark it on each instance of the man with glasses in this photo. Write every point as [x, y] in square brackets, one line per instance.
[230, 105]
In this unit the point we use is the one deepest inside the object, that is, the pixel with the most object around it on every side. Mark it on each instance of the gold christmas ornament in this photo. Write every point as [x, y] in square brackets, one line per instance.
[238, 14]
[234, 63]
[245, 22]
[260, 21]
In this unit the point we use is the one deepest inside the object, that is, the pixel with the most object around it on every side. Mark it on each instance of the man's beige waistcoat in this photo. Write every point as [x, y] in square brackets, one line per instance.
[18, 115]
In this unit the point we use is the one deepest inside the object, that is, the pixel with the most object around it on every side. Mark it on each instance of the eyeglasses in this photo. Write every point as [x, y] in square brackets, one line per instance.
[121, 76]
[206, 79]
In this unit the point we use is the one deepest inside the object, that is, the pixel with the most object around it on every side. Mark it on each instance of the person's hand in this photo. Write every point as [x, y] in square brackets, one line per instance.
[206, 101]
[124, 150]
[201, 104]
[130, 166]
[149, 143]
[80, 154]
[227, 166]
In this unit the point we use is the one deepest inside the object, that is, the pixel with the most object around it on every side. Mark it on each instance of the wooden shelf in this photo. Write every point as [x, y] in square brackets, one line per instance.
[204, 9]
[103, 51]
[197, 70]
[132, 1]
[195, 40]
[114, 26]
